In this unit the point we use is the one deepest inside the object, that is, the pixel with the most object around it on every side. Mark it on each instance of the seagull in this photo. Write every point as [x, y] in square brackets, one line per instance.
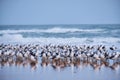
[0, 53]
[114, 56]
[113, 48]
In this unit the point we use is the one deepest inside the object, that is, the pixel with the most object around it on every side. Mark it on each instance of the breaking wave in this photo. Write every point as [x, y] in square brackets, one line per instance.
[51, 30]
[18, 38]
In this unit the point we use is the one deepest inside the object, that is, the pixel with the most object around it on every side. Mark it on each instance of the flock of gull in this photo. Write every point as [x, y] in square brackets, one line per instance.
[60, 55]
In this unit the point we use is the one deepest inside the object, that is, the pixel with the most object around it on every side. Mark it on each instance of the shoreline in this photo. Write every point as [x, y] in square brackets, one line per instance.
[60, 54]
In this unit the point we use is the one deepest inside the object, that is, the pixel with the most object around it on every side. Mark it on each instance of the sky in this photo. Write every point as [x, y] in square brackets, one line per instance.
[30, 12]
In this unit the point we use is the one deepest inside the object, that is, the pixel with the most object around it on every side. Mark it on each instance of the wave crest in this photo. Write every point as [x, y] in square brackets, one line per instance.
[10, 38]
[52, 30]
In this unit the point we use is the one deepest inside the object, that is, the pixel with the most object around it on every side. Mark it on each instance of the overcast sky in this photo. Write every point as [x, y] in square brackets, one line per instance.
[24, 12]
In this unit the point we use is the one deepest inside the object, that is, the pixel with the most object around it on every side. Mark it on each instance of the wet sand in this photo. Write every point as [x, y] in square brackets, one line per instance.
[15, 67]
[82, 70]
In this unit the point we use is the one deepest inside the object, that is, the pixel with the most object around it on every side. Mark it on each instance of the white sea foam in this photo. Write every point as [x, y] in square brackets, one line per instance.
[52, 30]
[18, 38]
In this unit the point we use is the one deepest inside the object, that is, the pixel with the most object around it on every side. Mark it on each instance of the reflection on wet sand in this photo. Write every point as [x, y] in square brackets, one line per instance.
[45, 62]
[60, 56]
[18, 62]
[59, 63]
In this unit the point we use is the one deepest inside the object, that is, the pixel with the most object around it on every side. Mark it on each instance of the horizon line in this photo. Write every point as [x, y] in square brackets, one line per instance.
[59, 24]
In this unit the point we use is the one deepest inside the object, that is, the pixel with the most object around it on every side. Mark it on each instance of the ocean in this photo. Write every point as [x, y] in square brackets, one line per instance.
[83, 34]
[61, 34]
